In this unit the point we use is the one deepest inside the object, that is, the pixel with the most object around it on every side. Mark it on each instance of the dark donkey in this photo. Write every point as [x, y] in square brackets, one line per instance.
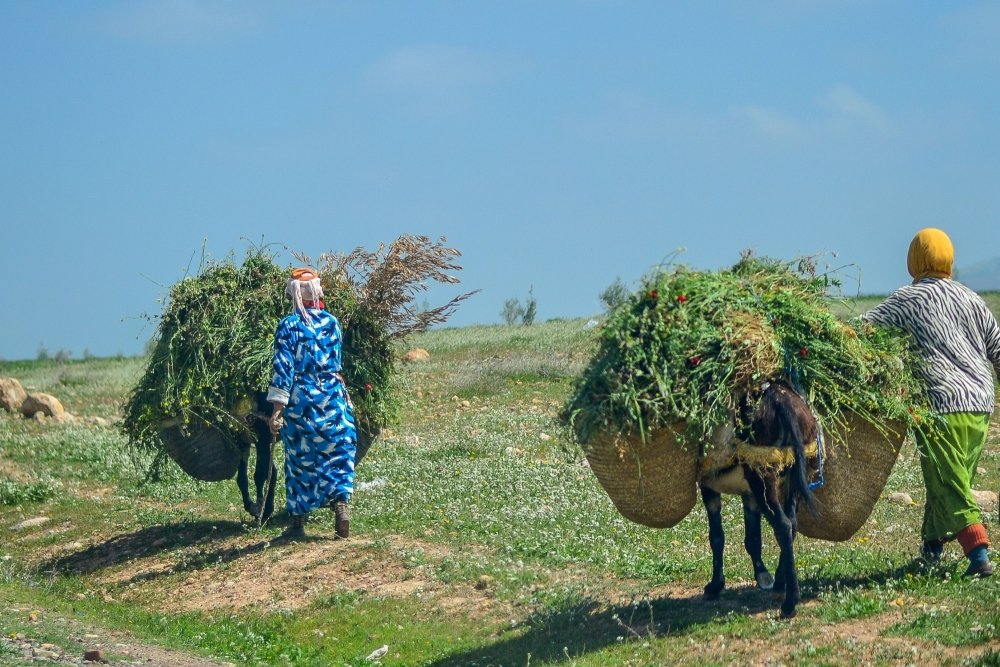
[265, 473]
[772, 416]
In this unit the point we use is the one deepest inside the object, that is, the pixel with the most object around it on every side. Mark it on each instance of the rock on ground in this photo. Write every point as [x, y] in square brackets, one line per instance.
[31, 523]
[416, 354]
[901, 498]
[987, 500]
[45, 403]
[12, 394]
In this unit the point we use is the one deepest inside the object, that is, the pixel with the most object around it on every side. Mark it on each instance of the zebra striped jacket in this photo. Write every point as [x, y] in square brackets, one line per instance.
[958, 338]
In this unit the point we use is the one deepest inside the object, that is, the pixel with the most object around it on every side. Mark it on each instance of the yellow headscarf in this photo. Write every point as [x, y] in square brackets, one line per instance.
[931, 254]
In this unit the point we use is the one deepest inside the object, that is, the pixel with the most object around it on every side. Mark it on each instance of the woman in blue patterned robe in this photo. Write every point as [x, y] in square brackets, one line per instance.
[311, 408]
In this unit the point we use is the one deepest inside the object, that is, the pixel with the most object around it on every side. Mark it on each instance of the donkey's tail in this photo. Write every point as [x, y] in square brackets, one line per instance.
[787, 414]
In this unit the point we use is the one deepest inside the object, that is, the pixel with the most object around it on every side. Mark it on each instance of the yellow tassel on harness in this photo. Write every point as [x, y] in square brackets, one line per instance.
[756, 456]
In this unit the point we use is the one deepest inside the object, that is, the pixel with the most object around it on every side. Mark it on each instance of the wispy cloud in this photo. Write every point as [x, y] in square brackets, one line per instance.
[176, 20]
[772, 124]
[846, 105]
[434, 78]
[841, 112]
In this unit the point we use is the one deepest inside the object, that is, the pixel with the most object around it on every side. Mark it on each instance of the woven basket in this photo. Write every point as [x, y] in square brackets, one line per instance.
[652, 483]
[367, 434]
[203, 452]
[856, 465]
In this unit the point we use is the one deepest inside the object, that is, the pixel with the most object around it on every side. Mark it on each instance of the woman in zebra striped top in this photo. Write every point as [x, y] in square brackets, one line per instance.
[959, 342]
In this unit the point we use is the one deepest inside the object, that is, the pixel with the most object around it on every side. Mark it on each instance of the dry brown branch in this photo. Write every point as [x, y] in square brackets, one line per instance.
[385, 281]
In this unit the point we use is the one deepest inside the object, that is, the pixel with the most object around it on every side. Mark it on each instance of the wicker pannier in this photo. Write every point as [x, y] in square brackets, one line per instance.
[202, 452]
[653, 483]
[856, 465]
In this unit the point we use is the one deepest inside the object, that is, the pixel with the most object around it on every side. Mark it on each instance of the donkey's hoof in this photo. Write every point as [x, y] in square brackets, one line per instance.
[713, 589]
[251, 509]
[788, 613]
[765, 581]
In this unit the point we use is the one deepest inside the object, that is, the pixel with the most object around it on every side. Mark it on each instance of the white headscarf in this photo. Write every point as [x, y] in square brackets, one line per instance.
[303, 286]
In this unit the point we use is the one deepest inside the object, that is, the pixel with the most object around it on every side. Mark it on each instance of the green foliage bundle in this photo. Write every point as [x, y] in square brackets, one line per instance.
[212, 350]
[683, 348]
[214, 345]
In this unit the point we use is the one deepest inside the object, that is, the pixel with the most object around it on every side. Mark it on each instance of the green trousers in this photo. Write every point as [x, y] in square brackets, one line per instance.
[949, 455]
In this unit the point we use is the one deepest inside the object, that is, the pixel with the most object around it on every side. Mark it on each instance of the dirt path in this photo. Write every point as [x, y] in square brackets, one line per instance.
[114, 649]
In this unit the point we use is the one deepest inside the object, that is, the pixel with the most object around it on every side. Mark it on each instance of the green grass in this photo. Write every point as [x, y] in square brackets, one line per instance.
[482, 540]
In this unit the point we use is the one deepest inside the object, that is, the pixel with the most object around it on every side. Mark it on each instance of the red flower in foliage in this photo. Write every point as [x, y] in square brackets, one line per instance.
[368, 388]
[681, 298]
[803, 352]
[694, 361]
[653, 294]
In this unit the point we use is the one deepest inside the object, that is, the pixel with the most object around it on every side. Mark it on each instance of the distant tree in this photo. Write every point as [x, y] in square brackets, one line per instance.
[512, 310]
[43, 352]
[531, 309]
[62, 356]
[614, 295]
[87, 354]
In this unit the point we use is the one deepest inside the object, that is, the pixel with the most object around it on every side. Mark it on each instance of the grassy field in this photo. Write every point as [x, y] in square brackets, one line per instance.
[479, 538]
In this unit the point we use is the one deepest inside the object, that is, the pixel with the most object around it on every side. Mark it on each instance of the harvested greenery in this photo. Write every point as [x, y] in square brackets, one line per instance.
[212, 350]
[214, 344]
[688, 343]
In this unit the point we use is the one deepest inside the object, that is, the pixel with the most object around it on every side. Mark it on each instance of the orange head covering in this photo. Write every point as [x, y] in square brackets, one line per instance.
[931, 254]
[304, 285]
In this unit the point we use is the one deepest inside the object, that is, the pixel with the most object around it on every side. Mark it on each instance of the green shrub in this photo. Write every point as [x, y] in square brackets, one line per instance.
[18, 493]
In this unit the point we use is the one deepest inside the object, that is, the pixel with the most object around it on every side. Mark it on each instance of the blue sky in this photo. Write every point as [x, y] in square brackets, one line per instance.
[557, 145]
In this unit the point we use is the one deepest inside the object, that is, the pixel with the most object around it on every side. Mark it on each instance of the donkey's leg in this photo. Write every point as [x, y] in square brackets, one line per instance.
[716, 538]
[264, 470]
[790, 509]
[244, 484]
[769, 499]
[752, 542]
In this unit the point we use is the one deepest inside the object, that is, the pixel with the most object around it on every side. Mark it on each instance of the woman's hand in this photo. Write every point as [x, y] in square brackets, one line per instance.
[277, 418]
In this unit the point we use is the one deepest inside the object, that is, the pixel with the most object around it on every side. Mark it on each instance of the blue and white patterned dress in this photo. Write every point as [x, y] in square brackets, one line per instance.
[319, 432]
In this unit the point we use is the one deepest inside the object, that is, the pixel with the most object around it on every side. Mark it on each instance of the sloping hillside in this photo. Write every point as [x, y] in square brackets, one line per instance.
[479, 537]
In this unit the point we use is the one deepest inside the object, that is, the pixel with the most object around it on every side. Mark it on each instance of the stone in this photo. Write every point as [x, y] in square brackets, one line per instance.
[12, 394]
[63, 418]
[45, 403]
[94, 655]
[417, 354]
[31, 523]
[987, 500]
[901, 498]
